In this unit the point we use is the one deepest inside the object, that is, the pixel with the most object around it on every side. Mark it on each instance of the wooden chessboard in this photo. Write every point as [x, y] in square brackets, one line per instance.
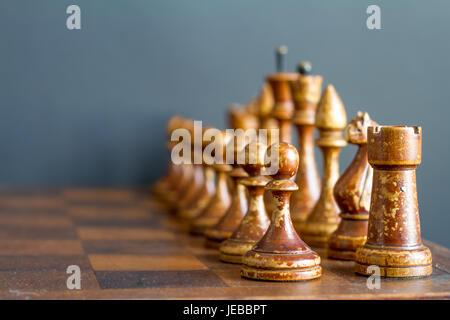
[128, 246]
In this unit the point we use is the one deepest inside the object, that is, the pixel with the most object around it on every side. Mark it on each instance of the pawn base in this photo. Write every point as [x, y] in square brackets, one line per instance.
[200, 225]
[232, 250]
[340, 254]
[271, 266]
[349, 236]
[281, 275]
[214, 238]
[394, 262]
[187, 213]
[317, 234]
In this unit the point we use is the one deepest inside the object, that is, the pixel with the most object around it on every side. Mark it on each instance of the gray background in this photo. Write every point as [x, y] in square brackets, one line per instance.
[89, 107]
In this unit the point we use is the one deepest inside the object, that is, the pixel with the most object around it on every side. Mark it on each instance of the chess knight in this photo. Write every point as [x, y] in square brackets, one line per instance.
[352, 193]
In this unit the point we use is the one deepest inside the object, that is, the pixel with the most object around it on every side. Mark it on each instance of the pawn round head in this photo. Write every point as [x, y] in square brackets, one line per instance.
[282, 160]
[254, 155]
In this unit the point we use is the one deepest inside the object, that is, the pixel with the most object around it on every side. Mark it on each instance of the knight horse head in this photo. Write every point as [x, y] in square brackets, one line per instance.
[356, 130]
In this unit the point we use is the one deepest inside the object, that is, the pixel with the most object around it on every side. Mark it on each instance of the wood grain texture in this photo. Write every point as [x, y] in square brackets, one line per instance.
[121, 265]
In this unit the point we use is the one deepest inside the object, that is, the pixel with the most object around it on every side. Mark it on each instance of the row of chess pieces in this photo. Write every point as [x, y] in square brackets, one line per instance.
[368, 214]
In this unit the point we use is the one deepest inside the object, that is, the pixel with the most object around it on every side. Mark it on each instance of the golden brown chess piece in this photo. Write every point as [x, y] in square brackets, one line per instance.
[221, 200]
[394, 243]
[283, 108]
[199, 202]
[281, 255]
[166, 183]
[306, 94]
[233, 217]
[239, 119]
[196, 181]
[330, 120]
[352, 194]
[184, 177]
[255, 222]
[265, 105]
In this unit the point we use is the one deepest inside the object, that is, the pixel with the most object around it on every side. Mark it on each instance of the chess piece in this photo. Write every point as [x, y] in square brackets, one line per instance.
[206, 192]
[267, 122]
[255, 222]
[305, 94]
[221, 200]
[166, 183]
[239, 119]
[197, 179]
[393, 240]
[186, 171]
[265, 106]
[330, 120]
[283, 108]
[233, 217]
[281, 255]
[352, 194]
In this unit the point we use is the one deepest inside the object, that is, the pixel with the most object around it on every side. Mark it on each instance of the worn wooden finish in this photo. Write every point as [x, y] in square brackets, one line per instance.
[265, 103]
[221, 201]
[202, 198]
[393, 241]
[233, 217]
[167, 183]
[330, 120]
[128, 247]
[255, 222]
[196, 181]
[352, 194]
[283, 109]
[306, 95]
[281, 255]
[215, 235]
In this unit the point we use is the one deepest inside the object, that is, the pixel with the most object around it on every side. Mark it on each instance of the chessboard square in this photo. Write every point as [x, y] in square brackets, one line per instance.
[105, 262]
[95, 212]
[35, 220]
[99, 195]
[31, 202]
[36, 233]
[43, 262]
[37, 247]
[118, 233]
[158, 279]
[159, 247]
[41, 281]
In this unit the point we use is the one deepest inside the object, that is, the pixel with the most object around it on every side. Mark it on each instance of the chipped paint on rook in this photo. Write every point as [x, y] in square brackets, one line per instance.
[393, 240]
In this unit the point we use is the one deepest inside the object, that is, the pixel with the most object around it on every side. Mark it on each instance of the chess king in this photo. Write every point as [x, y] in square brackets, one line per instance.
[352, 193]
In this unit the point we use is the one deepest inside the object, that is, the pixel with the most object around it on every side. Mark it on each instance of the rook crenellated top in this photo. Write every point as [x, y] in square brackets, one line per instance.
[395, 145]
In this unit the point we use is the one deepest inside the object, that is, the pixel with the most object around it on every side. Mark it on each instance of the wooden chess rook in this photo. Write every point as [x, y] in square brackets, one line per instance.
[281, 255]
[394, 242]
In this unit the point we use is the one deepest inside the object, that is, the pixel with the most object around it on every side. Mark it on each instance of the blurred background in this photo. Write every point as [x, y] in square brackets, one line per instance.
[89, 107]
